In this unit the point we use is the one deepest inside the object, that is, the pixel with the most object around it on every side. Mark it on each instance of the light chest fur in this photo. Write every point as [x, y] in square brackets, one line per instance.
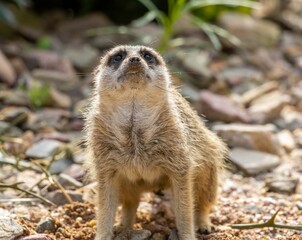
[135, 134]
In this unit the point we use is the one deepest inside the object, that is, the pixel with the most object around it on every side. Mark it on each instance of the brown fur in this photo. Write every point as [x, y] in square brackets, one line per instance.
[142, 135]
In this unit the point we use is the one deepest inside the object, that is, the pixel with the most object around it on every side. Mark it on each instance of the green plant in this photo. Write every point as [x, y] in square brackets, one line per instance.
[179, 8]
[6, 15]
[38, 95]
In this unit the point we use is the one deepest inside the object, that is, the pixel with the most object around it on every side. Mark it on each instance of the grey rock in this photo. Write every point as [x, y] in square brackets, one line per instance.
[58, 99]
[220, 108]
[290, 119]
[254, 137]
[48, 60]
[62, 81]
[140, 234]
[15, 97]
[253, 33]
[77, 27]
[257, 92]
[46, 224]
[60, 165]
[189, 92]
[7, 73]
[43, 149]
[158, 236]
[19, 114]
[196, 63]
[253, 162]
[58, 198]
[286, 140]
[173, 235]
[282, 185]
[82, 57]
[9, 228]
[268, 107]
[75, 171]
[9, 131]
[36, 237]
[68, 181]
[237, 75]
[49, 117]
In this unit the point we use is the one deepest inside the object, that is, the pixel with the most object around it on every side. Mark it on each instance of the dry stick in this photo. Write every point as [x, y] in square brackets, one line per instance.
[52, 180]
[269, 223]
[16, 187]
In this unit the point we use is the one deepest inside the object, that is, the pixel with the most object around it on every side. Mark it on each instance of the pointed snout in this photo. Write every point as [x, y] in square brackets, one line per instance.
[134, 60]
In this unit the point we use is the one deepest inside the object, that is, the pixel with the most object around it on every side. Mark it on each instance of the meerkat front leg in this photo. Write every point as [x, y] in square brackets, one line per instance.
[183, 207]
[106, 208]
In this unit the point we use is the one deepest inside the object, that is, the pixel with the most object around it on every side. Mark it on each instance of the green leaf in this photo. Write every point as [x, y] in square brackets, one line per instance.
[22, 3]
[39, 94]
[203, 3]
[149, 4]
[7, 16]
[147, 18]
[44, 43]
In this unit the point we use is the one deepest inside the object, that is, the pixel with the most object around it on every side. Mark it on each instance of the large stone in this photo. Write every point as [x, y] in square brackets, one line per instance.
[62, 81]
[220, 108]
[9, 228]
[43, 149]
[196, 63]
[290, 119]
[268, 107]
[68, 181]
[253, 33]
[286, 140]
[7, 73]
[282, 185]
[58, 99]
[18, 115]
[46, 224]
[77, 28]
[257, 92]
[253, 162]
[60, 165]
[37, 237]
[140, 234]
[6, 129]
[48, 60]
[58, 197]
[236, 75]
[83, 57]
[255, 137]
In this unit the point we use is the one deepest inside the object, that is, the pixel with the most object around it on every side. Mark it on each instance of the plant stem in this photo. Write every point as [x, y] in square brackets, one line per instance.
[16, 187]
[269, 223]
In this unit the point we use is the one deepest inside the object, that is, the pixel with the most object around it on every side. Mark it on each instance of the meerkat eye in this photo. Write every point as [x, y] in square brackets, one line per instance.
[117, 58]
[148, 56]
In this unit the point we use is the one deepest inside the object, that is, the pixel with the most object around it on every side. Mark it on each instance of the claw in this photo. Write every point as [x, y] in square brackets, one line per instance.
[173, 235]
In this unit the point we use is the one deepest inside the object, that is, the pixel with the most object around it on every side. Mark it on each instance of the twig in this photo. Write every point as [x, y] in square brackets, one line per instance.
[16, 187]
[53, 181]
[269, 223]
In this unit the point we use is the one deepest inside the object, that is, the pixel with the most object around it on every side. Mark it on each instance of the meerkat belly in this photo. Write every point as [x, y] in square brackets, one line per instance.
[145, 178]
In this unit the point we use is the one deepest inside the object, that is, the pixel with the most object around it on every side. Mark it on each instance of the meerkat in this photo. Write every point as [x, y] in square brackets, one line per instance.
[142, 135]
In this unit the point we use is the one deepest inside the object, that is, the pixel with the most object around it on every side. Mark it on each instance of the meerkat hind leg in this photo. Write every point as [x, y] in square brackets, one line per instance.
[129, 208]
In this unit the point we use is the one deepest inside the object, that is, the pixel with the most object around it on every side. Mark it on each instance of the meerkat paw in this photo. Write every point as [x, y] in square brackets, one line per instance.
[206, 228]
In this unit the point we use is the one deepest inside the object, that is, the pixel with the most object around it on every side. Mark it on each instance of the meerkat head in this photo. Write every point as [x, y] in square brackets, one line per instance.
[131, 67]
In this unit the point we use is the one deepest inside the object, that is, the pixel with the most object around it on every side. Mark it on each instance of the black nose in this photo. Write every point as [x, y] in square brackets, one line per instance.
[134, 60]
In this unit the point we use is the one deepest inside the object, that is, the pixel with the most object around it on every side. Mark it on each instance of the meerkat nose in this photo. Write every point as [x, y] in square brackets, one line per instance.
[134, 60]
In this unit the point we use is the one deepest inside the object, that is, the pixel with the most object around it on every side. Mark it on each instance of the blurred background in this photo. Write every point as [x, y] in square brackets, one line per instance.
[238, 62]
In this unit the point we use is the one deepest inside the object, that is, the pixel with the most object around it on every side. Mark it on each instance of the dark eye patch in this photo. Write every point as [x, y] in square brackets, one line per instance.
[116, 59]
[149, 57]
